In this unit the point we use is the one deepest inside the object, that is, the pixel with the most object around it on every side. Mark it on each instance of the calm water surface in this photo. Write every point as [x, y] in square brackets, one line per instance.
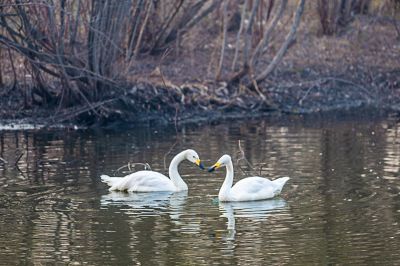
[341, 205]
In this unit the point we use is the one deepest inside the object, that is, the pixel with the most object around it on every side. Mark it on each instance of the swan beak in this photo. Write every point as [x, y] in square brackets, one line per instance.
[199, 164]
[215, 166]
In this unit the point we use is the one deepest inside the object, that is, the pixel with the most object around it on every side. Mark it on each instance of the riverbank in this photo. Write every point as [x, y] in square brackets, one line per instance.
[146, 103]
[319, 103]
[357, 69]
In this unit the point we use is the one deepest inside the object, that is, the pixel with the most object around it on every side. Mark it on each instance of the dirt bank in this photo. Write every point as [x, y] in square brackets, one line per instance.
[357, 68]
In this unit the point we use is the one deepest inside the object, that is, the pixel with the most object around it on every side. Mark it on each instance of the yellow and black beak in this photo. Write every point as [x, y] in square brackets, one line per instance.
[199, 164]
[215, 166]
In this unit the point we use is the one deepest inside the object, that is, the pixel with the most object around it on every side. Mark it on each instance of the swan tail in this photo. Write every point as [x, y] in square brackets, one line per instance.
[110, 180]
[280, 182]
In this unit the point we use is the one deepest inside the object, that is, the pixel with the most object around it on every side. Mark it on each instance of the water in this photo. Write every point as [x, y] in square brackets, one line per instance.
[341, 206]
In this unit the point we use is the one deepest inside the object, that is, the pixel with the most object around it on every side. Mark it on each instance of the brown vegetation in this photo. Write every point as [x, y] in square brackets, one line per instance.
[106, 60]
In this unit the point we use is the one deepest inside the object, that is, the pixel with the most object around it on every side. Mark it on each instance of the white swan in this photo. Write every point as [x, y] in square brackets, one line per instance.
[149, 181]
[247, 189]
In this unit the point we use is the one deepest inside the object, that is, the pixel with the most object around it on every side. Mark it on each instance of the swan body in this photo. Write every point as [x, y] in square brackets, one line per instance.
[150, 181]
[247, 189]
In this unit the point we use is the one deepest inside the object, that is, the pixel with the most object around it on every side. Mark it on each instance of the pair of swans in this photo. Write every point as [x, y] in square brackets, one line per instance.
[247, 189]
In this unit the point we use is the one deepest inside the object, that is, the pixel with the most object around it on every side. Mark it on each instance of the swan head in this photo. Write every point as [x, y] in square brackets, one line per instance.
[223, 161]
[193, 157]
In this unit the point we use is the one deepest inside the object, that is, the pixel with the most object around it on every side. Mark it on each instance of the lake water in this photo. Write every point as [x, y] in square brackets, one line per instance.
[341, 205]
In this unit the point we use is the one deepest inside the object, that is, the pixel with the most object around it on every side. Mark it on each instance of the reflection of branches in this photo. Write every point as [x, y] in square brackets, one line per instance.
[18, 159]
[15, 164]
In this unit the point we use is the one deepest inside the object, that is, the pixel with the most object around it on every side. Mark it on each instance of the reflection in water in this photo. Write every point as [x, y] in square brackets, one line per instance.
[255, 210]
[344, 197]
[147, 204]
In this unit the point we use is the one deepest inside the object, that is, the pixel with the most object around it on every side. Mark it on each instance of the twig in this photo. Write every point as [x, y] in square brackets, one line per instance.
[305, 95]
[255, 85]
[165, 54]
[130, 165]
[397, 28]
[169, 151]
[243, 157]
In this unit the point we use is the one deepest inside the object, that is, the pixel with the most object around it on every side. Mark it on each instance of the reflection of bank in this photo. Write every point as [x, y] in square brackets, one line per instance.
[255, 210]
[147, 204]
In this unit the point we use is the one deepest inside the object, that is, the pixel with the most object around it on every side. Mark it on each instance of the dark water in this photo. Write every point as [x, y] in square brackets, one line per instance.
[341, 206]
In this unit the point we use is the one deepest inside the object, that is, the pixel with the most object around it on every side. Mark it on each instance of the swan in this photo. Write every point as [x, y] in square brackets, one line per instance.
[247, 189]
[150, 181]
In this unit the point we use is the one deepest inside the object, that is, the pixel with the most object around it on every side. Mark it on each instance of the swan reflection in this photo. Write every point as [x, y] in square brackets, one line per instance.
[147, 204]
[256, 210]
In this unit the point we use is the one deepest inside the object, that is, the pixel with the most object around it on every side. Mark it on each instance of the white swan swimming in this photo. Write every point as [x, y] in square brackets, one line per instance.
[149, 181]
[247, 189]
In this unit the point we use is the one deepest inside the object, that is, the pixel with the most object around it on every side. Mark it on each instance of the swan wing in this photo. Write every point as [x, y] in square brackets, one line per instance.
[254, 188]
[143, 181]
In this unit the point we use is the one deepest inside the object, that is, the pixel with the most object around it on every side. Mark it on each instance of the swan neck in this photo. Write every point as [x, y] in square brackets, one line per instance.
[174, 174]
[227, 185]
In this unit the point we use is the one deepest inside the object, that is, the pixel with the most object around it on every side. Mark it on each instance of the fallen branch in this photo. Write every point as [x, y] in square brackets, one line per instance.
[69, 114]
[319, 82]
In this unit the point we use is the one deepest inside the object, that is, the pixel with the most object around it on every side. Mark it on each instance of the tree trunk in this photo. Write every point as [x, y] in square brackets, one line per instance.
[289, 39]
[223, 39]
[237, 45]
[1, 69]
[267, 34]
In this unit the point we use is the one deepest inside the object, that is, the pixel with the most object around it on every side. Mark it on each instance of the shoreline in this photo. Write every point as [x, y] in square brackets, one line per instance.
[210, 117]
